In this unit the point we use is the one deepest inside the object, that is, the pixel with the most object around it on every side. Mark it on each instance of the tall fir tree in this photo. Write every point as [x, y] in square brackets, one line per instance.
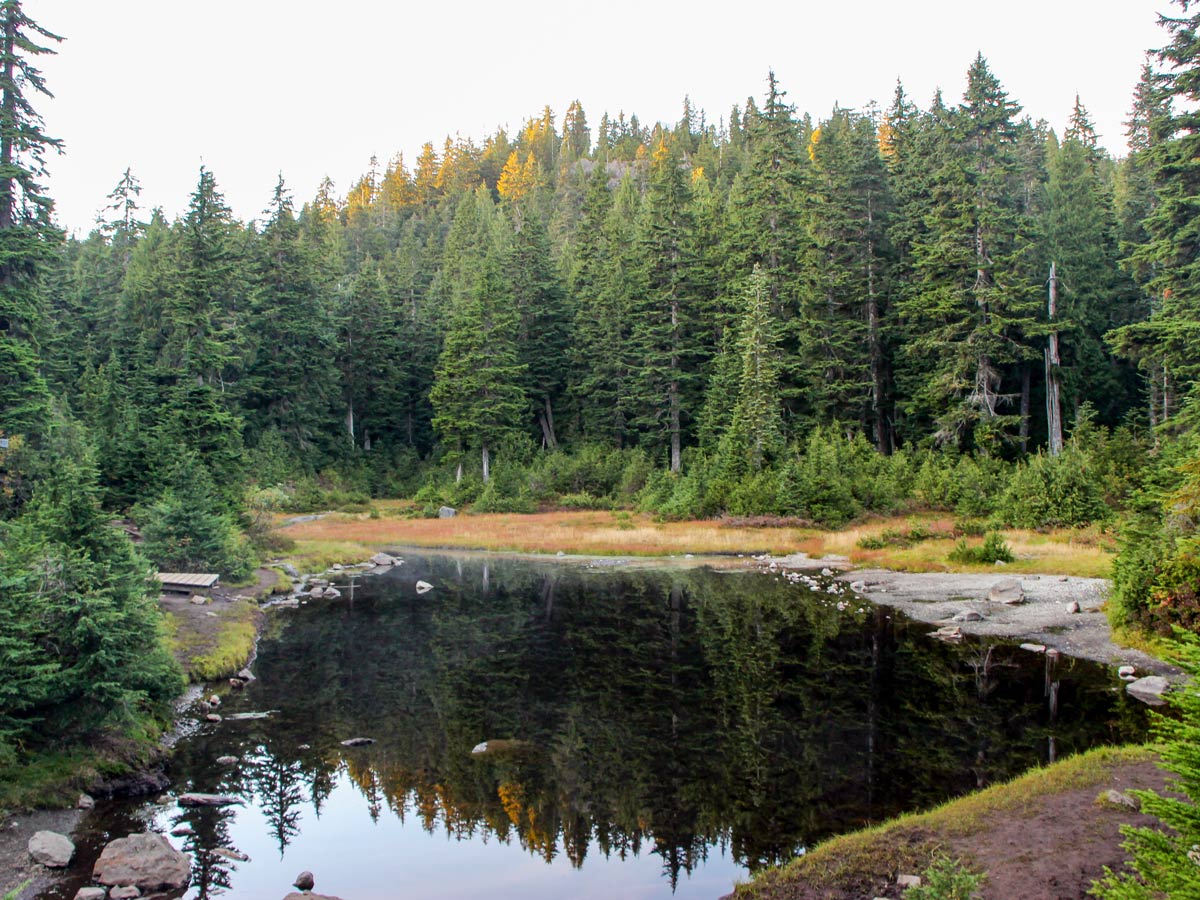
[27, 235]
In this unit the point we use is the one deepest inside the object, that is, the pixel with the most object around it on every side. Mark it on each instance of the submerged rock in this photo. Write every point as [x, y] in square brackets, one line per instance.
[207, 800]
[146, 861]
[424, 587]
[91, 893]
[358, 742]
[84, 802]
[51, 849]
[967, 615]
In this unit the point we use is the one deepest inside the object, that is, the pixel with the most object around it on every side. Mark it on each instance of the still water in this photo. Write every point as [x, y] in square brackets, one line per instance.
[651, 733]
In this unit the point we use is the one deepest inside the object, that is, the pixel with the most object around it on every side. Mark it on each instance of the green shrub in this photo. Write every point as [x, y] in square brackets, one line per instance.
[946, 879]
[994, 549]
[583, 500]
[814, 487]
[1052, 491]
[978, 482]
[1166, 861]
[1156, 575]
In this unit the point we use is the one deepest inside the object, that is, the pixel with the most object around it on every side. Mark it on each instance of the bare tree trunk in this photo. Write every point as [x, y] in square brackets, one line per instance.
[487, 464]
[1053, 388]
[1026, 377]
[350, 422]
[546, 421]
[875, 341]
[673, 392]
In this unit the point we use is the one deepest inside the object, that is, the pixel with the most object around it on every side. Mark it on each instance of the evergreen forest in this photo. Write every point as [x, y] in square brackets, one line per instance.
[931, 303]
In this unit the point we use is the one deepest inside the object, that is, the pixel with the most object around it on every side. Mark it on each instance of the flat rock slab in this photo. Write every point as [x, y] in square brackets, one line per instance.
[1044, 618]
[91, 893]
[51, 849]
[146, 861]
[207, 800]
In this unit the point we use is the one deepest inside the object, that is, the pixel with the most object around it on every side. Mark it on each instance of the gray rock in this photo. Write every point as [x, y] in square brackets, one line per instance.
[383, 559]
[207, 800]
[198, 600]
[424, 587]
[146, 861]
[859, 587]
[246, 675]
[290, 571]
[1117, 798]
[90, 893]
[230, 853]
[318, 592]
[337, 567]
[304, 881]
[331, 593]
[184, 830]
[212, 717]
[129, 892]
[1007, 591]
[1034, 648]
[1073, 607]
[967, 615]
[358, 742]
[948, 633]
[226, 760]
[907, 881]
[51, 849]
[85, 802]
[447, 512]
[1150, 689]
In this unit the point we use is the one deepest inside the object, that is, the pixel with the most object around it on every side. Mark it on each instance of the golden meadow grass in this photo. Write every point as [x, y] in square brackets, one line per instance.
[343, 538]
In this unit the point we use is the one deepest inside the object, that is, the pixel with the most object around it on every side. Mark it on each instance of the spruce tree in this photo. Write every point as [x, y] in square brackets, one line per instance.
[27, 235]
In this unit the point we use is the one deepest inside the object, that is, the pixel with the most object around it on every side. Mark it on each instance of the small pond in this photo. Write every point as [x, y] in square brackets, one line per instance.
[651, 733]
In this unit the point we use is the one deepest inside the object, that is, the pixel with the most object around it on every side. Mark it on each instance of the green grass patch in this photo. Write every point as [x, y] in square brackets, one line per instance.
[911, 842]
[319, 555]
[211, 649]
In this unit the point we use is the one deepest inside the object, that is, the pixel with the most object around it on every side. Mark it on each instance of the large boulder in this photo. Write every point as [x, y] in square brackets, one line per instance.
[51, 849]
[146, 861]
[384, 559]
[447, 512]
[1007, 591]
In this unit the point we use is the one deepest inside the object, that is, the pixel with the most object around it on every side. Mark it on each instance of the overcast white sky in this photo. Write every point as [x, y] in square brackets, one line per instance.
[251, 88]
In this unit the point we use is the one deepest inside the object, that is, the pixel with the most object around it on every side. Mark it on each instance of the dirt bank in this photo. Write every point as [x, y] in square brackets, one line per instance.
[1045, 836]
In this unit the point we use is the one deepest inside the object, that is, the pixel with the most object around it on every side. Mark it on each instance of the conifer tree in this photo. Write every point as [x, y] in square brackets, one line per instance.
[478, 398]
[664, 309]
[27, 235]
[290, 385]
[756, 430]
[841, 318]
[1171, 255]
[969, 309]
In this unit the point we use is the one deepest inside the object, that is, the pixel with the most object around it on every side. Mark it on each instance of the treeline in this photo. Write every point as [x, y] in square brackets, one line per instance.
[695, 318]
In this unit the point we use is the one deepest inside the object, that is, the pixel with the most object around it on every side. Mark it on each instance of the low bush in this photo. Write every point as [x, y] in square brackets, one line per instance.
[946, 879]
[994, 549]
